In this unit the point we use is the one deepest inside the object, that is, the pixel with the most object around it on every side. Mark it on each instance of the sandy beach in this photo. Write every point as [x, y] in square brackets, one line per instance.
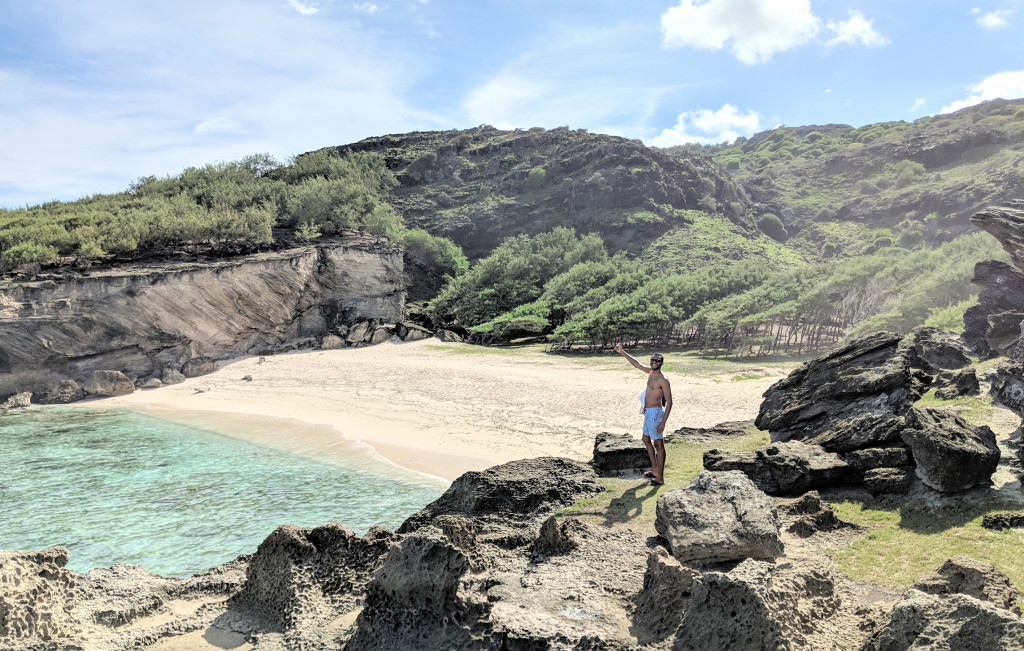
[445, 408]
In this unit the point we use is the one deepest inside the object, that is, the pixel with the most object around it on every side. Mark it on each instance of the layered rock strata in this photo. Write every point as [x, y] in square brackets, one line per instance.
[993, 325]
[142, 320]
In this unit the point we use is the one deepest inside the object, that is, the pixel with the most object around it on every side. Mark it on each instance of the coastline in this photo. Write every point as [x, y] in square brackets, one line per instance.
[436, 408]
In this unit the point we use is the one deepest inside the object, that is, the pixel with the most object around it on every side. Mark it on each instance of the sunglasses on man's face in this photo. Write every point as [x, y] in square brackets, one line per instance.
[656, 359]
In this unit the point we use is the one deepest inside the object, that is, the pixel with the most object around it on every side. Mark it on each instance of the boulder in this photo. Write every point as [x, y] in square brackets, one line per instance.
[888, 481]
[37, 595]
[1007, 388]
[1003, 335]
[951, 455]
[809, 515]
[109, 383]
[942, 350]
[730, 612]
[172, 376]
[380, 335]
[449, 337]
[955, 621]
[298, 576]
[788, 468]
[719, 517]
[64, 392]
[852, 398]
[199, 366]
[964, 575]
[19, 400]
[953, 384]
[664, 599]
[614, 452]
[514, 492]
[331, 342]
[359, 332]
[152, 383]
[409, 331]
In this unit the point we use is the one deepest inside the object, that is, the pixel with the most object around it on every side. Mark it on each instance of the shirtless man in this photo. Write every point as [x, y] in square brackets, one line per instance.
[659, 392]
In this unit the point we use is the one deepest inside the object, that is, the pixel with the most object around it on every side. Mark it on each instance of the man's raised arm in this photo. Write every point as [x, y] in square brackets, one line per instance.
[631, 359]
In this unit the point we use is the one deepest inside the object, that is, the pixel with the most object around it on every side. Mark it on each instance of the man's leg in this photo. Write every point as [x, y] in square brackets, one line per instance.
[651, 454]
[659, 460]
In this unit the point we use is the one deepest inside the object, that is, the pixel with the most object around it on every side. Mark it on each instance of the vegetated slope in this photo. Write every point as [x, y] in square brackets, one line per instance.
[841, 191]
[483, 185]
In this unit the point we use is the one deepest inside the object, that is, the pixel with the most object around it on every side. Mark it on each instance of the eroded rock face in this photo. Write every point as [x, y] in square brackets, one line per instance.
[298, 576]
[1007, 387]
[950, 454]
[964, 575]
[956, 621]
[788, 468]
[514, 492]
[665, 598]
[730, 612]
[721, 516]
[809, 515]
[558, 538]
[36, 595]
[18, 401]
[140, 321]
[852, 398]
[993, 325]
[889, 481]
[109, 383]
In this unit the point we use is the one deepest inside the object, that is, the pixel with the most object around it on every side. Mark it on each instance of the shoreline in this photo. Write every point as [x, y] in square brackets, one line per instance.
[436, 408]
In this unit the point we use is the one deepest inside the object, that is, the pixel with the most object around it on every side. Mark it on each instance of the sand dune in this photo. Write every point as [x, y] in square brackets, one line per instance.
[448, 408]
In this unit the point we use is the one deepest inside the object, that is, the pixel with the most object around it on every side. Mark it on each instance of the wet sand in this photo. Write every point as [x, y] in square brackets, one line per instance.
[445, 408]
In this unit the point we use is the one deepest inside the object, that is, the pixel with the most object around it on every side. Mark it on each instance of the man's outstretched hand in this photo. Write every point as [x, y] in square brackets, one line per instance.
[618, 348]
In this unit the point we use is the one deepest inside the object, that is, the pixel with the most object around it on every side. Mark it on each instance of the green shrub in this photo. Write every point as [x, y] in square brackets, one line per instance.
[28, 253]
[536, 178]
[772, 226]
[436, 254]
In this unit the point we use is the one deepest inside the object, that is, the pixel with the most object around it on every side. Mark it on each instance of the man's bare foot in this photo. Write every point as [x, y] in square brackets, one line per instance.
[649, 473]
[655, 482]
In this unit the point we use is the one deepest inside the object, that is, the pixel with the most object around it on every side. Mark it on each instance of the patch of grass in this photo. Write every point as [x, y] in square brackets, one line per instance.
[630, 503]
[905, 542]
[749, 376]
[976, 410]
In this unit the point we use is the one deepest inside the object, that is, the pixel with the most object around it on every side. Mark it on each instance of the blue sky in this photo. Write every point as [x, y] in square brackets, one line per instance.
[96, 94]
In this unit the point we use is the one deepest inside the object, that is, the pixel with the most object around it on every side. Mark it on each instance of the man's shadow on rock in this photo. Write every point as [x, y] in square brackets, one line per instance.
[629, 505]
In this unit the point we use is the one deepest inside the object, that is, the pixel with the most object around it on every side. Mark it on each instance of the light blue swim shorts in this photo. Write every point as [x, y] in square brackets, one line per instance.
[652, 418]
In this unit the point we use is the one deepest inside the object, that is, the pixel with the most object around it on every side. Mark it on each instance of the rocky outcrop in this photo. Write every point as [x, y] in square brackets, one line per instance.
[62, 393]
[17, 401]
[850, 399]
[950, 454]
[665, 597]
[956, 621]
[964, 575]
[297, 577]
[809, 515]
[789, 468]
[888, 481]
[942, 350]
[719, 517]
[37, 595]
[1007, 388]
[144, 319]
[993, 325]
[954, 384]
[720, 432]
[519, 492]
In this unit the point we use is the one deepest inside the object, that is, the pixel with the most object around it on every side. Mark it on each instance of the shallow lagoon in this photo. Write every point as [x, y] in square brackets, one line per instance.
[115, 486]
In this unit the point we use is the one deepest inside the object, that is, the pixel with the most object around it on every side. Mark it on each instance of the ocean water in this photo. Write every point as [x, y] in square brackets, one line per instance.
[115, 486]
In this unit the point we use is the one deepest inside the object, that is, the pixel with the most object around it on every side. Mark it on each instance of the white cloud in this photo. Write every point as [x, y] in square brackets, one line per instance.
[306, 9]
[992, 19]
[857, 30]
[918, 104]
[828, 90]
[218, 125]
[709, 127]
[754, 30]
[1007, 85]
[504, 101]
[367, 8]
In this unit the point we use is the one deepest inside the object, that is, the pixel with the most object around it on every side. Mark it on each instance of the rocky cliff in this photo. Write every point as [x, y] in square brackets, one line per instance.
[144, 320]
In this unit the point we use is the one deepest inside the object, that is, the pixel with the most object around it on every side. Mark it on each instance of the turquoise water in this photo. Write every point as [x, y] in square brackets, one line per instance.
[120, 487]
